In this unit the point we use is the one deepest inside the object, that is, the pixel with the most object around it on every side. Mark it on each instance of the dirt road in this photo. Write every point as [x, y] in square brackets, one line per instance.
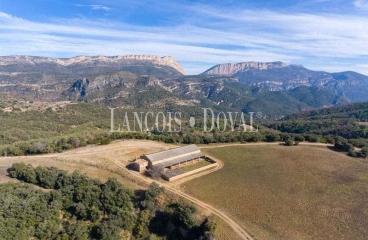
[261, 144]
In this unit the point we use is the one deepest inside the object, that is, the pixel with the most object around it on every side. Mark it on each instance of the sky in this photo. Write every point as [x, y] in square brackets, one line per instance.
[329, 35]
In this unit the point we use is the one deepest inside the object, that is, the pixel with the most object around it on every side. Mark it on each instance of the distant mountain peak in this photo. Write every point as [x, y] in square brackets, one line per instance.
[229, 69]
[31, 60]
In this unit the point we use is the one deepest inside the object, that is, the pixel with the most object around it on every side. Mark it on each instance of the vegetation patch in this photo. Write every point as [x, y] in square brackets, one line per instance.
[78, 207]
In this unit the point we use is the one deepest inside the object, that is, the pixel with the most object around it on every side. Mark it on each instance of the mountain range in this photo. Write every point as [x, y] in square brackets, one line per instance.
[147, 81]
[278, 76]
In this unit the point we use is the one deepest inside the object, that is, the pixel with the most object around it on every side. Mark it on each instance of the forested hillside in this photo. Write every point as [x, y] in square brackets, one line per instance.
[345, 124]
[355, 111]
[345, 121]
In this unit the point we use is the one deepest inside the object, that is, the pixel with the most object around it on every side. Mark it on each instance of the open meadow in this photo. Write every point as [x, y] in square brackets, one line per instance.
[279, 192]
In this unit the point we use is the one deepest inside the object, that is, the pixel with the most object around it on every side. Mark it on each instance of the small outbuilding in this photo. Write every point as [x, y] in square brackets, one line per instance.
[140, 165]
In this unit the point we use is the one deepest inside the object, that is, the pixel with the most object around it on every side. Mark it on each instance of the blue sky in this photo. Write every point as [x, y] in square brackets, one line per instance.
[319, 34]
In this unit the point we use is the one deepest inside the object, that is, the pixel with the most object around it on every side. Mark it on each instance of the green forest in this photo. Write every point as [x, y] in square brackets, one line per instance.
[73, 206]
[77, 125]
[343, 126]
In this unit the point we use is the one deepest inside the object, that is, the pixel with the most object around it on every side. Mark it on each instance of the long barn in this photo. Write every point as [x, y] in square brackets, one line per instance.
[175, 157]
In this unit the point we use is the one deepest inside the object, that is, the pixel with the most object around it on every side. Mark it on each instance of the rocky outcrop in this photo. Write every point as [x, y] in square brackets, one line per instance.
[229, 69]
[88, 60]
[86, 86]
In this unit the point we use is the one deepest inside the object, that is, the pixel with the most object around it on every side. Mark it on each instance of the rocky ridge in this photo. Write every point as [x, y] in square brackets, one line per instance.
[121, 59]
[229, 69]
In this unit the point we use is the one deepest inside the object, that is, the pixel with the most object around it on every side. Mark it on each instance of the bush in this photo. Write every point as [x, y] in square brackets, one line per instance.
[105, 141]
[352, 153]
[23, 172]
[289, 142]
[364, 152]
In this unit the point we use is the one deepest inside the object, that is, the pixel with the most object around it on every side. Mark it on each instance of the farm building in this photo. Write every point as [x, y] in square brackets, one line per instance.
[175, 157]
[140, 165]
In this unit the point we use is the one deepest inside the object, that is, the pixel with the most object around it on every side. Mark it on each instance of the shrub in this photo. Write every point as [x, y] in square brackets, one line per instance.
[289, 142]
[105, 141]
[364, 152]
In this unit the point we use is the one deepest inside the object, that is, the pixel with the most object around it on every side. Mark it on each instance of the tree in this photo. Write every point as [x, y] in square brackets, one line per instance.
[153, 191]
[80, 210]
[114, 197]
[108, 231]
[289, 142]
[141, 228]
[364, 152]
[23, 172]
[183, 215]
[77, 230]
[209, 225]
[150, 197]
[208, 228]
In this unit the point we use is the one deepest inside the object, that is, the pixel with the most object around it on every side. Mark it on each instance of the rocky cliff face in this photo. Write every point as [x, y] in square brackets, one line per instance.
[229, 69]
[84, 87]
[93, 60]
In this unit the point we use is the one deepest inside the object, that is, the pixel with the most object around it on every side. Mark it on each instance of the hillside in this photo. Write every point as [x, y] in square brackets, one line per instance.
[354, 111]
[221, 93]
[347, 121]
[277, 76]
[42, 78]
[145, 81]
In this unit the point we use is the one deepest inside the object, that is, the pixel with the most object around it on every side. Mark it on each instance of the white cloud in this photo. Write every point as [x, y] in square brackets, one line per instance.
[199, 43]
[95, 7]
[361, 4]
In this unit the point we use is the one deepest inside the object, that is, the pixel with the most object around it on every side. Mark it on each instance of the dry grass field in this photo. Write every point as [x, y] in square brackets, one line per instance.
[224, 231]
[92, 160]
[279, 192]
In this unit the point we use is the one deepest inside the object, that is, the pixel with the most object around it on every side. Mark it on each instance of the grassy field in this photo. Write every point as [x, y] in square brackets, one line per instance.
[279, 192]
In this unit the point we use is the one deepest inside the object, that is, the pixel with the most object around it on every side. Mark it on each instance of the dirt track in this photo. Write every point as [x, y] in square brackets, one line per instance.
[262, 144]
